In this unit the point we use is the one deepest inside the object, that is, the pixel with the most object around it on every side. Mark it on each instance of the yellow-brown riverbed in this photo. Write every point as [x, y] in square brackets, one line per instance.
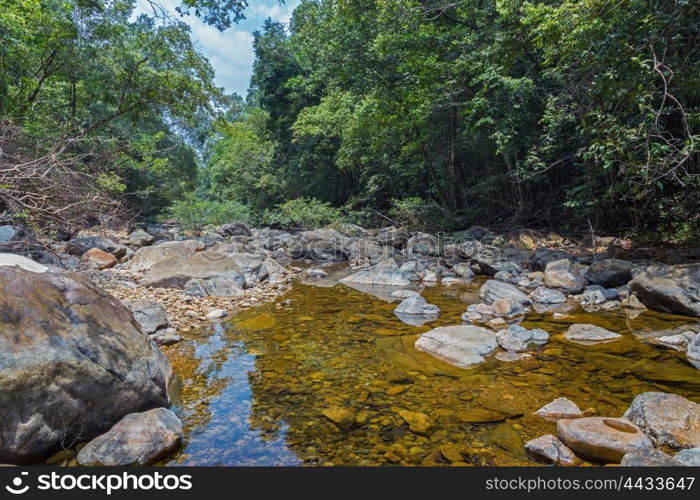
[260, 389]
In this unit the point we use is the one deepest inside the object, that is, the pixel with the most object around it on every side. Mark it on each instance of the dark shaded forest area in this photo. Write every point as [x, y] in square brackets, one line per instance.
[574, 115]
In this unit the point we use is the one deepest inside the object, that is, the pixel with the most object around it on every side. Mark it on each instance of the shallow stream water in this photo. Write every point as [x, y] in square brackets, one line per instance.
[255, 387]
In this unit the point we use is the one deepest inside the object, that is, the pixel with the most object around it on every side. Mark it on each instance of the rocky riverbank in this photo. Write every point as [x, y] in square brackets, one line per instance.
[160, 283]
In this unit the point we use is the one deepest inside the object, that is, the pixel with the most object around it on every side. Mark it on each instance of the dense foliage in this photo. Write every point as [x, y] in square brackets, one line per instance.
[570, 114]
[434, 114]
[101, 110]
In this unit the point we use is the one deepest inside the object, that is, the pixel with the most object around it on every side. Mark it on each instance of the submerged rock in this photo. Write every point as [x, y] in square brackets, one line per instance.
[404, 294]
[463, 346]
[601, 439]
[668, 419]
[549, 450]
[417, 422]
[75, 362]
[137, 439]
[343, 417]
[666, 371]
[589, 333]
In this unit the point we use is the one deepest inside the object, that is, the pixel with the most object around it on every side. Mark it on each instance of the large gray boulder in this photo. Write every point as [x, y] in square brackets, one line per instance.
[385, 273]
[73, 362]
[170, 251]
[493, 290]
[464, 346]
[669, 289]
[176, 273]
[668, 419]
[610, 272]
[137, 439]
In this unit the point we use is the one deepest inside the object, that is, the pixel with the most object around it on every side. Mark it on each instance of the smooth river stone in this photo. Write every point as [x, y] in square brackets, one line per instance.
[602, 439]
[461, 345]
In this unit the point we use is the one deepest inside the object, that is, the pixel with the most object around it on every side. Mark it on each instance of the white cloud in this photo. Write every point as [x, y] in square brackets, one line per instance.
[230, 52]
[273, 9]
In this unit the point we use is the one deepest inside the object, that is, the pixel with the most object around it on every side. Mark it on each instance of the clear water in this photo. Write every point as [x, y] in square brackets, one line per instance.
[255, 388]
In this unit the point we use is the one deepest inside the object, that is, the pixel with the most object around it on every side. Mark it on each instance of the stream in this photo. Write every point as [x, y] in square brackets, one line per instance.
[255, 388]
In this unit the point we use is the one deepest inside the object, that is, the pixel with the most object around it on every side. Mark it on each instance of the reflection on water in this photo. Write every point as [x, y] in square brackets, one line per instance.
[256, 389]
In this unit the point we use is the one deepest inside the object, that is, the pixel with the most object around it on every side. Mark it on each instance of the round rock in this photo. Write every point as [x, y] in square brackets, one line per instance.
[601, 439]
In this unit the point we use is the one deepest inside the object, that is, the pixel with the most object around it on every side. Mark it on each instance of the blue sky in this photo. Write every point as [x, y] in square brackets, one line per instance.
[231, 52]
